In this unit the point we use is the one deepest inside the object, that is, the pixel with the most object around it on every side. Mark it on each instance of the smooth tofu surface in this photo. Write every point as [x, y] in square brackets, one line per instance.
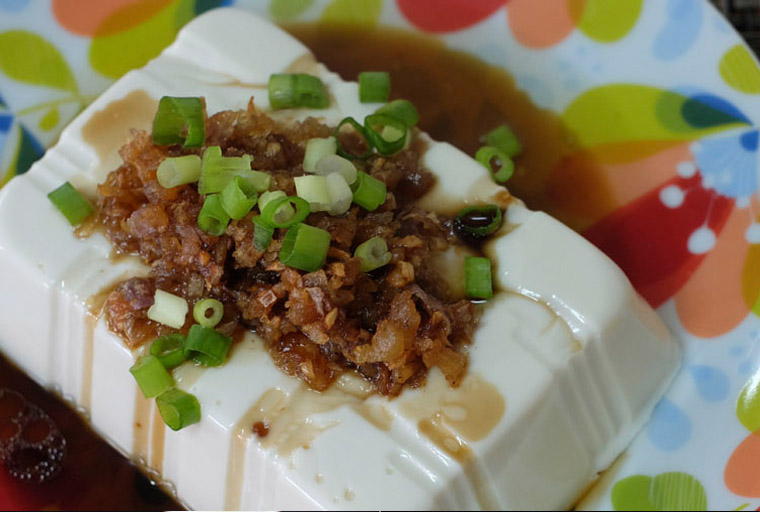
[566, 366]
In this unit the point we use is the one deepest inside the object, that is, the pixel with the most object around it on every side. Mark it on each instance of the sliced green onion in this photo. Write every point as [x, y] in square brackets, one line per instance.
[169, 350]
[340, 194]
[266, 197]
[336, 164]
[305, 247]
[374, 86]
[369, 192]
[213, 218]
[201, 309]
[71, 203]
[502, 169]
[316, 149]
[402, 110]
[180, 170]
[178, 409]
[373, 254]
[380, 125]
[206, 346]
[313, 189]
[504, 138]
[151, 376]
[262, 233]
[477, 277]
[180, 121]
[217, 171]
[168, 309]
[478, 221]
[238, 197]
[361, 131]
[297, 90]
[278, 217]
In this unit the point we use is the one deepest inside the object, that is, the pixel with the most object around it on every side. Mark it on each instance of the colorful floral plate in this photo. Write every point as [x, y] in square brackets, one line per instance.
[663, 93]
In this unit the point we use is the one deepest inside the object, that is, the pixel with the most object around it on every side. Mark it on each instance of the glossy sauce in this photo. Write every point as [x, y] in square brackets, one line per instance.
[459, 99]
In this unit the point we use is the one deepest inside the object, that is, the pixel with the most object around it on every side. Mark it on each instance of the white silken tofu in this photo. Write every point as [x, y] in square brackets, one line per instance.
[567, 364]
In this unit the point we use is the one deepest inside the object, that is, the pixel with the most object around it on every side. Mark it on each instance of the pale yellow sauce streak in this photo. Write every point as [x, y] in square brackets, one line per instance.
[157, 443]
[87, 360]
[141, 436]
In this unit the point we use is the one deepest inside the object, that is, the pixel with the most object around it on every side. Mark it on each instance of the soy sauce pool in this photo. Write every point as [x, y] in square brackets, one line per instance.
[459, 99]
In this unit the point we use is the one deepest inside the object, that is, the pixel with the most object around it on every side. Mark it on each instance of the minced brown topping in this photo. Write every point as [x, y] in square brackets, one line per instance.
[391, 325]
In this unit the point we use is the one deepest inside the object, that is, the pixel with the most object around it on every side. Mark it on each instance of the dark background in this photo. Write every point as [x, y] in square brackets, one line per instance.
[745, 16]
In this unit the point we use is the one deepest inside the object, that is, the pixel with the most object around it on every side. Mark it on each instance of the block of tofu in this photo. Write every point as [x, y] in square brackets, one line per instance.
[566, 367]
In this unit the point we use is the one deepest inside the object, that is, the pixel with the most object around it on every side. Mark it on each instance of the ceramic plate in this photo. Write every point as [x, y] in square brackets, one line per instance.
[662, 93]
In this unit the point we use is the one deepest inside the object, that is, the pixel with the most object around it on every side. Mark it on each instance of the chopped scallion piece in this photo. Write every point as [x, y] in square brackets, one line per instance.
[201, 309]
[151, 376]
[238, 197]
[477, 277]
[402, 110]
[316, 149]
[373, 254]
[266, 197]
[379, 126]
[305, 247]
[340, 194]
[180, 121]
[71, 203]
[497, 162]
[374, 86]
[262, 233]
[213, 218]
[369, 192]
[178, 409]
[336, 164]
[179, 170]
[278, 217]
[206, 346]
[361, 131]
[168, 309]
[478, 221]
[297, 90]
[504, 138]
[217, 171]
[313, 189]
[169, 350]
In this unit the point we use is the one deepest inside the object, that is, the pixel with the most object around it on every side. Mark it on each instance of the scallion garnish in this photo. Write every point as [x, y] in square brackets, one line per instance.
[202, 308]
[180, 121]
[206, 346]
[373, 254]
[340, 192]
[477, 277]
[504, 138]
[374, 86]
[350, 121]
[402, 110]
[478, 221]
[497, 162]
[168, 309]
[151, 376]
[213, 218]
[71, 203]
[315, 150]
[297, 90]
[217, 171]
[330, 164]
[179, 170]
[178, 409]
[305, 247]
[313, 189]
[266, 197]
[278, 217]
[262, 233]
[169, 350]
[238, 197]
[387, 133]
[369, 192]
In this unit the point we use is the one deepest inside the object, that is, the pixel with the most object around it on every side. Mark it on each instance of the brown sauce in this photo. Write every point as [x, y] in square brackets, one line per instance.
[459, 100]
